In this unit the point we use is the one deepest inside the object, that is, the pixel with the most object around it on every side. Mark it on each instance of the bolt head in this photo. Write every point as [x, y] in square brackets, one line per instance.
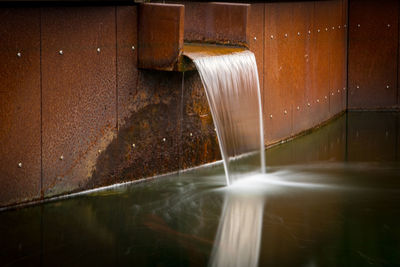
[388, 25]
[19, 54]
[191, 134]
[345, 25]
[344, 88]
[318, 30]
[332, 93]
[298, 108]
[133, 145]
[60, 52]
[285, 112]
[358, 87]
[270, 116]
[286, 35]
[338, 91]
[99, 151]
[333, 27]
[164, 139]
[98, 50]
[326, 29]
[338, 26]
[133, 47]
[255, 38]
[308, 104]
[317, 100]
[61, 157]
[309, 32]
[298, 33]
[20, 164]
[358, 25]
[326, 97]
[387, 86]
[272, 37]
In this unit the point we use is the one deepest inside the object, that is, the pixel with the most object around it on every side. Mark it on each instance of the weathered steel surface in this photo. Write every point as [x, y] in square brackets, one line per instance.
[198, 139]
[127, 73]
[302, 57]
[225, 23]
[321, 75]
[336, 57]
[256, 38]
[278, 70]
[372, 53]
[160, 35]
[19, 105]
[380, 143]
[148, 142]
[78, 93]
[345, 12]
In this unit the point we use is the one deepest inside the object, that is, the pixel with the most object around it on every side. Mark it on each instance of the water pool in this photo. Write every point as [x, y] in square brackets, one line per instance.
[330, 198]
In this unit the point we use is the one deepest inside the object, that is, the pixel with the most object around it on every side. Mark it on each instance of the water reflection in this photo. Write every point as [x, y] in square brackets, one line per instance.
[239, 232]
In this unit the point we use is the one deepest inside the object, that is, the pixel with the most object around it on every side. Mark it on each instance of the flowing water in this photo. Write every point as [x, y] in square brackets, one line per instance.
[233, 93]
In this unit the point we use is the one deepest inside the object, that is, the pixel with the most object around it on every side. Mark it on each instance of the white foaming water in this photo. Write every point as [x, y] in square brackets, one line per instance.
[233, 92]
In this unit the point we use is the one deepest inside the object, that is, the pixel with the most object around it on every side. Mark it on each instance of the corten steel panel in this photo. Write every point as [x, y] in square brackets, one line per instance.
[335, 80]
[148, 142]
[379, 136]
[160, 35]
[198, 141]
[373, 53]
[256, 38]
[301, 47]
[19, 105]
[78, 94]
[217, 22]
[344, 29]
[319, 102]
[277, 72]
[127, 71]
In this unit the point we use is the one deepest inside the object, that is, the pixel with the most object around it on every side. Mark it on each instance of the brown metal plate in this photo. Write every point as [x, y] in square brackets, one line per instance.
[160, 35]
[127, 72]
[321, 75]
[19, 105]
[336, 57]
[256, 39]
[302, 56]
[372, 53]
[278, 72]
[225, 23]
[78, 93]
[199, 142]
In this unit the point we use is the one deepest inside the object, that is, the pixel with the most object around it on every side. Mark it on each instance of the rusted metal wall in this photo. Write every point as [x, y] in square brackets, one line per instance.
[373, 50]
[78, 93]
[106, 121]
[19, 105]
[303, 66]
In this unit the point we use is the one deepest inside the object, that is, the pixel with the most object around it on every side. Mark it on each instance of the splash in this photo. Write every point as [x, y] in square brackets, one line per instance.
[233, 92]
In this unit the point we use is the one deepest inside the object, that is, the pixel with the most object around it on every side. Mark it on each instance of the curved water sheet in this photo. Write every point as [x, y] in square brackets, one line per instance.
[233, 92]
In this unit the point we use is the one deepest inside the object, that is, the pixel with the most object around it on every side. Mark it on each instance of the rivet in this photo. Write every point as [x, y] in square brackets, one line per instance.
[318, 30]
[387, 86]
[326, 97]
[133, 47]
[344, 88]
[272, 37]
[298, 108]
[358, 87]
[317, 100]
[99, 150]
[286, 35]
[20, 165]
[164, 139]
[285, 112]
[98, 50]
[388, 25]
[345, 25]
[308, 104]
[270, 116]
[191, 134]
[255, 38]
[60, 52]
[332, 94]
[215, 129]
[133, 145]
[18, 54]
[298, 33]
[333, 27]
[338, 26]
[326, 29]
[338, 91]
[358, 25]
[61, 157]
[309, 32]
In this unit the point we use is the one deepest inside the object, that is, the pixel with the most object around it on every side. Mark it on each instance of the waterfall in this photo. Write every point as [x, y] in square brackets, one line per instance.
[233, 92]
